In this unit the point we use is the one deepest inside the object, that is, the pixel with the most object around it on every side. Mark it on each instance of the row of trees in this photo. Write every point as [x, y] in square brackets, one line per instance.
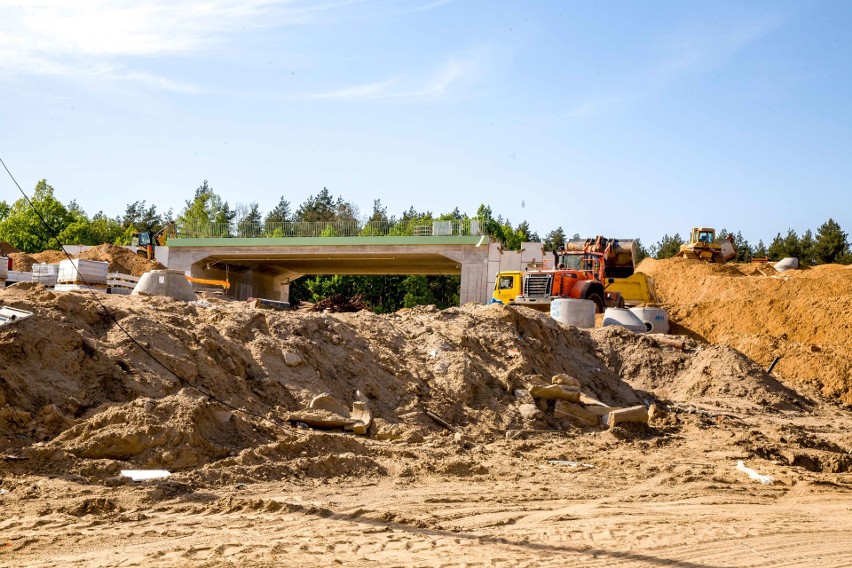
[36, 227]
[830, 245]
[26, 227]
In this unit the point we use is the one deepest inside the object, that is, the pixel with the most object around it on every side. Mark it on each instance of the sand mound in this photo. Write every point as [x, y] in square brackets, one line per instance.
[698, 374]
[100, 398]
[119, 258]
[23, 262]
[801, 316]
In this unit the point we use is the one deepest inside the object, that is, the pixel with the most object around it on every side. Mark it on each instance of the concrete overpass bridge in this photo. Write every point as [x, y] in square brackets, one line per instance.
[265, 266]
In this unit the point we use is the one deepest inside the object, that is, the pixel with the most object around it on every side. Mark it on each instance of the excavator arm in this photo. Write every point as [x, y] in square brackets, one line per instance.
[223, 283]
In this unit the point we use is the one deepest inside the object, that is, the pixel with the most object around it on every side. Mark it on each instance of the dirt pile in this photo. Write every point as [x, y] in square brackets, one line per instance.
[699, 373]
[23, 262]
[77, 395]
[801, 316]
[119, 258]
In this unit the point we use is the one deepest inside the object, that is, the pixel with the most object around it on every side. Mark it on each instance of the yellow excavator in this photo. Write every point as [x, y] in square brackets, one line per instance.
[147, 242]
[703, 245]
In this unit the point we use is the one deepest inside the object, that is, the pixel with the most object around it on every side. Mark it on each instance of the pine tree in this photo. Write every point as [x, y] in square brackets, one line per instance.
[667, 247]
[554, 240]
[280, 213]
[830, 245]
[806, 249]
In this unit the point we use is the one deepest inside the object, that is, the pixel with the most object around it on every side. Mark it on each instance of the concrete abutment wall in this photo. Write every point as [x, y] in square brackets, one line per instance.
[265, 270]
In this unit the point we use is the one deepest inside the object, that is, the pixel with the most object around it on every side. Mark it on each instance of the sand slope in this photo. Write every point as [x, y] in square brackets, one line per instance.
[801, 316]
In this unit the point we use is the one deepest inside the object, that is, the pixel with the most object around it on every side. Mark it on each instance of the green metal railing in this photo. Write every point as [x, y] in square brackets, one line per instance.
[418, 228]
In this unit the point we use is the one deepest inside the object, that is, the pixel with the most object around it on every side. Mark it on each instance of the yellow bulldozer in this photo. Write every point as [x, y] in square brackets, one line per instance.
[703, 245]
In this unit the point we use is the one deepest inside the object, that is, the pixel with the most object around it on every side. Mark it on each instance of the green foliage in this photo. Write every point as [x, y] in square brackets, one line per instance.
[379, 223]
[323, 207]
[807, 249]
[410, 220]
[205, 208]
[100, 229]
[4, 210]
[641, 252]
[667, 247]
[830, 245]
[554, 240]
[143, 218]
[22, 226]
[280, 213]
[382, 294]
[502, 231]
[783, 247]
[249, 219]
[417, 291]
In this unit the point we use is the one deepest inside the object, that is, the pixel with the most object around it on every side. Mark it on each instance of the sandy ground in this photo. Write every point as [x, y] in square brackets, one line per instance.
[667, 497]
[516, 483]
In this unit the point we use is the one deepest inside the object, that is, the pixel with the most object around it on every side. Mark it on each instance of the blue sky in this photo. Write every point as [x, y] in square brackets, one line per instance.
[628, 119]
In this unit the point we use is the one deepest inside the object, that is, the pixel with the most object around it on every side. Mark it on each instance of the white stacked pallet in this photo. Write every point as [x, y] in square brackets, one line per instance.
[45, 273]
[119, 283]
[18, 276]
[84, 272]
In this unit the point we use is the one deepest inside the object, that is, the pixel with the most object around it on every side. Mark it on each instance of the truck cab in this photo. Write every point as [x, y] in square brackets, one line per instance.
[507, 287]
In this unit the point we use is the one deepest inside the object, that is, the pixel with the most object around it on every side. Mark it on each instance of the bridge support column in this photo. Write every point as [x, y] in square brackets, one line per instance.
[474, 283]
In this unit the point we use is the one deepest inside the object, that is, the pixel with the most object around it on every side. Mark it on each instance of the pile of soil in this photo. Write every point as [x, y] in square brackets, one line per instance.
[119, 258]
[23, 262]
[800, 316]
[78, 395]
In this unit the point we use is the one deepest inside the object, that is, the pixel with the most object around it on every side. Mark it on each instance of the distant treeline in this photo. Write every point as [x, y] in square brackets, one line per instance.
[24, 227]
[829, 245]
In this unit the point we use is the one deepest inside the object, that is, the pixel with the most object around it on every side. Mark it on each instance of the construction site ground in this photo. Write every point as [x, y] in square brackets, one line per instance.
[512, 484]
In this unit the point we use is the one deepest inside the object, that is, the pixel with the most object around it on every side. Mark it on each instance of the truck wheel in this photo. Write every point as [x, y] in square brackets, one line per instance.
[598, 300]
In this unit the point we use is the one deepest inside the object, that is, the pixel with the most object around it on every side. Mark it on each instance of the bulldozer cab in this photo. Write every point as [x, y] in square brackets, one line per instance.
[703, 236]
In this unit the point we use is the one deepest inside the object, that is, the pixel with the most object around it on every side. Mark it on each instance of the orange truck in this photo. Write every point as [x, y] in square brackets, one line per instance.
[583, 269]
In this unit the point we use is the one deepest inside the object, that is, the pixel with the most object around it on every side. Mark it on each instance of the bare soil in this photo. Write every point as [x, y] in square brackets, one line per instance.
[80, 401]
[800, 316]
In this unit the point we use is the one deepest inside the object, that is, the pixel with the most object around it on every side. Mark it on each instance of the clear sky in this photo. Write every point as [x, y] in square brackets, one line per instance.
[628, 119]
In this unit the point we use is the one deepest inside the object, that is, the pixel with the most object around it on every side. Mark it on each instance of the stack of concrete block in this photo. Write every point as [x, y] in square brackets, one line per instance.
[45, 274]
[15, 276]
[79, 271]
[4, 268]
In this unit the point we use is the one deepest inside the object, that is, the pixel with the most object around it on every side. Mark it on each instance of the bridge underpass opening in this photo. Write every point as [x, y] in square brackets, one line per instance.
[264, 268]
[277, 273]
